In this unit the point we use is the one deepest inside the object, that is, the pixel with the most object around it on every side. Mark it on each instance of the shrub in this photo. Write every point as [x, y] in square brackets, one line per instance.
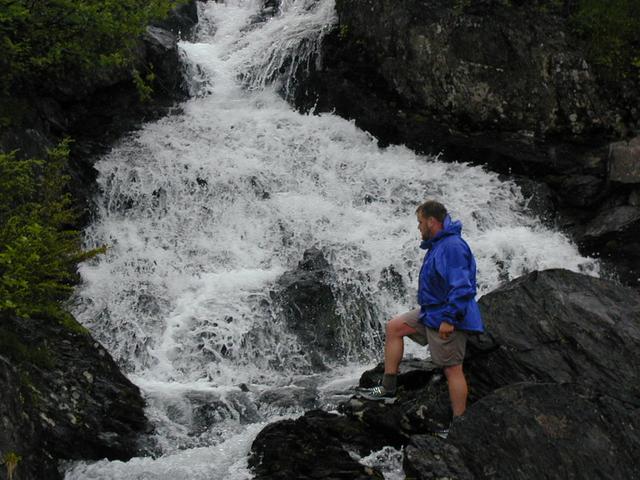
[48, 41]
[612, 32]
[39, 249]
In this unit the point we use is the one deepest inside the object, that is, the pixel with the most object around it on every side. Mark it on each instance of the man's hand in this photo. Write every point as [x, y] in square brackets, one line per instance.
[446, 329]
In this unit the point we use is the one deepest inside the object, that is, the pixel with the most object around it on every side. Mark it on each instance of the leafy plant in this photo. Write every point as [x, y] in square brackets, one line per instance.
[39, 248]
[11, 461]
[612, 31]
[53, 40]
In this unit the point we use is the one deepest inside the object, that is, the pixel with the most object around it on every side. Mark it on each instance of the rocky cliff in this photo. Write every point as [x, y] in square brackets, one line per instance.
[506, 84]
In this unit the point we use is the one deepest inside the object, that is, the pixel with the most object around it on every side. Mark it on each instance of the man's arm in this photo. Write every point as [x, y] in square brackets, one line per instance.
[454, 268]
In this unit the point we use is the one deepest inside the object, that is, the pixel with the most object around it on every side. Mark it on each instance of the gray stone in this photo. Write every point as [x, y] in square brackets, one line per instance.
[618, 219]
[558, 326]
[63, 398]
[308, 297]
[634, 198]
[427, 457]
[527, 431]
[624, 161]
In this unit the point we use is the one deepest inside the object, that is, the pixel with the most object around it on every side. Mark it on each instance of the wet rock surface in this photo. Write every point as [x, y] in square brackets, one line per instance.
[504, 84]
[63, 397]
[310, 307]
[553, 394]
[314, 446]
[554, 431]
[559, 326]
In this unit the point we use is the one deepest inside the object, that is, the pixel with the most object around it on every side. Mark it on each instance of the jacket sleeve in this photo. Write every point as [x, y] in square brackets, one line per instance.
[455, 269]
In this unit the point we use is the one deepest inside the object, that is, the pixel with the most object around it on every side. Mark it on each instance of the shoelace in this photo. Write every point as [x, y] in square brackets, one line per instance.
[377, 390]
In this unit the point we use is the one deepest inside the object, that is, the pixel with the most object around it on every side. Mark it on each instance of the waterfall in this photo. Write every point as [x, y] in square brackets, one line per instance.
[204, 209]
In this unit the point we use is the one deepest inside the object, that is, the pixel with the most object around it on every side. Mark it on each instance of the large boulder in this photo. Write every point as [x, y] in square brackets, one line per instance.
[552, 431]
[559, 326]
[315, 446]
[530, 430]
[63, 397]
[308, 297]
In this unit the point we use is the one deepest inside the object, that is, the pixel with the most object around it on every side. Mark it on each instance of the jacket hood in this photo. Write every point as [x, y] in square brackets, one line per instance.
[449, 227]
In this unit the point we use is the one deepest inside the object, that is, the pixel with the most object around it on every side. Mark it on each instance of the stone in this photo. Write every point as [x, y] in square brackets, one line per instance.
[552, 431]
[63, 398]
[428, 457]
[558, 326]
[309, 306]
[634, 198]
[581, 190]
[315, 446]
[460, 79]
[618, 220]
[181, 21]
[624, 161]
[413, 374]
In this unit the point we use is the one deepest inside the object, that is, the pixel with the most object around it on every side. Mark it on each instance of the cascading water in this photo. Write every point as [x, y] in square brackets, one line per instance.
[206, 208]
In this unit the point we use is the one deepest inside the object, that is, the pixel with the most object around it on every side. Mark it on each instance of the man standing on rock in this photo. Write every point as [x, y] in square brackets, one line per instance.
[448, 310]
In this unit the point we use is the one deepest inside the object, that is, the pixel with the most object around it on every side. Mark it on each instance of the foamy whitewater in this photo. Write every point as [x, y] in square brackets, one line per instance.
[206, 208]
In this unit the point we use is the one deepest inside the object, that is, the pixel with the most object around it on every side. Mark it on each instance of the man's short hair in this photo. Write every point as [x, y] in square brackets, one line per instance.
[434, 209]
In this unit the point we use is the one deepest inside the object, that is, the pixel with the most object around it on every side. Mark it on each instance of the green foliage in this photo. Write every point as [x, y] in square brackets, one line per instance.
[143, 85]
[11, 461]
[612, 31]
[50, 40]
[39, 249]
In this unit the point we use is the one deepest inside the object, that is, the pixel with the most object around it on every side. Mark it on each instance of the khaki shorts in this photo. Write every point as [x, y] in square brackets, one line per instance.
[444, 353]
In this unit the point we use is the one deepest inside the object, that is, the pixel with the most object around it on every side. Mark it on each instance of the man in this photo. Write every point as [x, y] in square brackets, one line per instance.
[448, 310]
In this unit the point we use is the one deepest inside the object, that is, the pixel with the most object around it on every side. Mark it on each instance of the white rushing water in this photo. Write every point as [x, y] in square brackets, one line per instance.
[203, 210]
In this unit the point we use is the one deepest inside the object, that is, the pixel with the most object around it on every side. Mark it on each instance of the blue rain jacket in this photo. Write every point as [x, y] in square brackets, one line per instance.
[447, 284]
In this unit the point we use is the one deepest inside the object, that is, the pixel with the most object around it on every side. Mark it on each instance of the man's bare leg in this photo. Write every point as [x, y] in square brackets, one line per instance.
[458, 390]
[396, 330]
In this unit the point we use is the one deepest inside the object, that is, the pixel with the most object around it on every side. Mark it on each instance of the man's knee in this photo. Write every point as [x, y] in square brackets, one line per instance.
[397, 327]
[453, 370]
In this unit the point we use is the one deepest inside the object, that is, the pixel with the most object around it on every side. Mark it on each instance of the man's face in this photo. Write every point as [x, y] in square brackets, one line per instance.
[426, 226]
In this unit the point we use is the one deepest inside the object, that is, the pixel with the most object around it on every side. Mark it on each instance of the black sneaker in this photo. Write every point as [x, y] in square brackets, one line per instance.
[378, 393]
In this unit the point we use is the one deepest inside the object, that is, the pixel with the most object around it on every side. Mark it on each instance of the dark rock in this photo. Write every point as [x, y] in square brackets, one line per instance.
[558, 326]
[289, 398]
[617, 220]
[63, 398]
[416, 411]
[437, 76]
[551, 431]
[310, 308]
[181, 21]
[427, 457]
[581, 190]
[315, 446]
[162, 53]
[540, 199]
[624, 161]
[391, 281]
[554, 393]
[413, 374]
